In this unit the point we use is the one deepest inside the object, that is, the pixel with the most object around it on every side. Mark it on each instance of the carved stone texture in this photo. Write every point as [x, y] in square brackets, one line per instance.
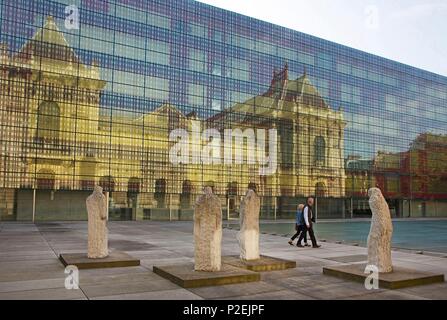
[379, 239]
[248, 235]
[97, 225]
[207, 232]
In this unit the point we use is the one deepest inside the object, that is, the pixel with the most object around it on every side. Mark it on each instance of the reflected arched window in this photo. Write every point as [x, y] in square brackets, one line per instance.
[48, 121]
[320, 150]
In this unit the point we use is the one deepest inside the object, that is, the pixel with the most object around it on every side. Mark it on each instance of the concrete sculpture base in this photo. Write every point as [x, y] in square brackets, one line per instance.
[264, 263]
[116, 259]
[185, 276]
[398, 278]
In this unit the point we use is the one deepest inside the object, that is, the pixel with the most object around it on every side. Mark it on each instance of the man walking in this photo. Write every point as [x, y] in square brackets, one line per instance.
[299, 226]
[308, 220]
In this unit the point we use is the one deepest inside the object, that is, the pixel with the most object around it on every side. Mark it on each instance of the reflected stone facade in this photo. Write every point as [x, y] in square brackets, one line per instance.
[66, 141]
[96, 105]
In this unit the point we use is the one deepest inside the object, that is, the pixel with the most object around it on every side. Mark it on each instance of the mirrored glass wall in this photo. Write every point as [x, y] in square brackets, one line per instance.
[153, 100]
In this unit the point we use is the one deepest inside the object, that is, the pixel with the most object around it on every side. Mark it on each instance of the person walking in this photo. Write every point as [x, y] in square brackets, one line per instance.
[308, 221]
[299, 226]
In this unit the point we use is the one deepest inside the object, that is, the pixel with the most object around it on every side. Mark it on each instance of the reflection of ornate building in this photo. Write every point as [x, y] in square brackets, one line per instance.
[47, 96]
[420, 172]
[310, 137]
[55, 136]
[359, 176]
[409, 180]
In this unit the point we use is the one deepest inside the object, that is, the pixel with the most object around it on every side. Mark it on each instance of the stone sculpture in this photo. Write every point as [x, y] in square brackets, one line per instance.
[379, 239]
[207, 232]
[248, 235]
[97, 225]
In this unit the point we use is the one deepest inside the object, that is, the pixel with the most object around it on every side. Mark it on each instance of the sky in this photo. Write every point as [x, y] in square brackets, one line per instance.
[413, 32]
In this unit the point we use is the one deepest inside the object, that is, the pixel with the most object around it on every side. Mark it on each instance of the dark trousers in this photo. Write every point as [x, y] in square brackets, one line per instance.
[299, 230]
[311, 234]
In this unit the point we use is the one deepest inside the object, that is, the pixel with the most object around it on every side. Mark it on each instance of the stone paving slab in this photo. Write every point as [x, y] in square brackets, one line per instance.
[287, 273]
[305, 281]
[43, 294]
[150, 263]
[30, 275]
[26, 285]
[333, 291]
[112, 271]
[100, 279]
[350, 258]
[384, 295]
[136, 286]
[185, 276]
[233, 290]
[433, 291]
[27, 270]
[275, 295]
[174, 294]
[10, 272]
[399, 278]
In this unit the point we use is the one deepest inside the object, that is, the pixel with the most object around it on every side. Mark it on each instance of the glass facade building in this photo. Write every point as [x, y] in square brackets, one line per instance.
[96, 92]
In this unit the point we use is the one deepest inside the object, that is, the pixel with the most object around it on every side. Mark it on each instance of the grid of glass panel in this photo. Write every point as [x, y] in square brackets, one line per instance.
[91, 90]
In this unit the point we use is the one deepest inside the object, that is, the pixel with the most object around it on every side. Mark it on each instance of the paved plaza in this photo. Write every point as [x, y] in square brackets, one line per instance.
[30, 269]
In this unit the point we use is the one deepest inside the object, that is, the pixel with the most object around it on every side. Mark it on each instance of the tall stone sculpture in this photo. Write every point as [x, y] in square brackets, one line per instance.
[207, 232]
[248, 235]
[379, 239]
[97, 224]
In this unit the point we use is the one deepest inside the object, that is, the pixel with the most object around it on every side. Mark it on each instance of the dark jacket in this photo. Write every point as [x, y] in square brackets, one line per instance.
[310, 214]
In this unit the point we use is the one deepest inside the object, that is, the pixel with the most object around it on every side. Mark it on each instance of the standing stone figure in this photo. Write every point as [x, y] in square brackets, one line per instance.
[97, 224]
[207, 232]
[379, 239]
[248, 235]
